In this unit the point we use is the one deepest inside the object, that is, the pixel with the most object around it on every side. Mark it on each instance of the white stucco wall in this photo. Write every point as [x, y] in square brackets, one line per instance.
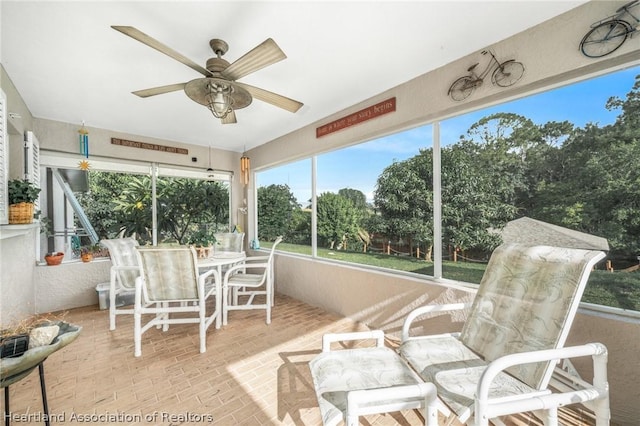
[69, 285]
[17, 260]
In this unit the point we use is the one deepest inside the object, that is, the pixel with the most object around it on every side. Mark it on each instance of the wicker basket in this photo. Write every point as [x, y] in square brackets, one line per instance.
[21, 213]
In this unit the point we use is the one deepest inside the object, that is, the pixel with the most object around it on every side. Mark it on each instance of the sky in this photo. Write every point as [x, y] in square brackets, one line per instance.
[358, 167]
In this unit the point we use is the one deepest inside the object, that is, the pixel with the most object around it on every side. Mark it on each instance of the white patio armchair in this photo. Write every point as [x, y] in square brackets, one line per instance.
[502, 360]
[169, 284]
[240, 287]
[124, 271]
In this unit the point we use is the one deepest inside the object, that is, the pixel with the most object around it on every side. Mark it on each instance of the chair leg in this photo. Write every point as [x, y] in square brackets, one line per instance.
[112, 309]
[203, 330]
[551, 417]
[267, 303]
[137, 334]
[225, 303]
[164, 316]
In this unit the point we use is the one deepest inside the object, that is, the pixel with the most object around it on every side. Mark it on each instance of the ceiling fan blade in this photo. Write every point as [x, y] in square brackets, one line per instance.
[145, 93]
[264, 54]
[272, 98]
[229, 119]
[151, 42]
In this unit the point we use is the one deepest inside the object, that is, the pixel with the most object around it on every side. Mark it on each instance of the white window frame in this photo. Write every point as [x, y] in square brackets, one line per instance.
[4, 161]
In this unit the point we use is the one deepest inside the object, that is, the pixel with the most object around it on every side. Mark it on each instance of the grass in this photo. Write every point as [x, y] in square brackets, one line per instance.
[615, 289]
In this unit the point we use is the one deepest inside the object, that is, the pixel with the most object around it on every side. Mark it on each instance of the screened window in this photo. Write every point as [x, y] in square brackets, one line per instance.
[153, 203]
[284, 206]
[560, 158]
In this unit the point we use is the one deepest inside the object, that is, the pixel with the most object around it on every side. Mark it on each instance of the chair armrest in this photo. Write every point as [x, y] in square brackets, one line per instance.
[485, 407]
[257, 259]
[413, 315]
[203, 276]
[329, 338]
[114, 278]
[232, 270]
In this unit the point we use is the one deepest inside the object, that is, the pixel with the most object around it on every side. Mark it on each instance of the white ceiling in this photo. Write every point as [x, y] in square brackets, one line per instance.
[70, 66]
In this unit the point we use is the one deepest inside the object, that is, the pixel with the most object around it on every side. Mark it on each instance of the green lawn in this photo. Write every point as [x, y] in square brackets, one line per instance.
[616, 289]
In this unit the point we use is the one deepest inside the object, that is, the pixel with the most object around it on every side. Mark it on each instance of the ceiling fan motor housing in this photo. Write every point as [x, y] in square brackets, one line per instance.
[217, 65]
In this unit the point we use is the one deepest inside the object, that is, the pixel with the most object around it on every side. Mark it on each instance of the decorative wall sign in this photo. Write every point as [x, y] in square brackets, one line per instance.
[368, 113]
[151, 146]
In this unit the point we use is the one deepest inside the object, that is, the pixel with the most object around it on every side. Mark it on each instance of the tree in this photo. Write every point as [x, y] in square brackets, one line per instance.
[404, 199]
[190, 208]
[595, 181]
[356, 196]
[474, 200]
[276, 205]
[99, 202]
[471, 203]
[337, 218]
[121, 204]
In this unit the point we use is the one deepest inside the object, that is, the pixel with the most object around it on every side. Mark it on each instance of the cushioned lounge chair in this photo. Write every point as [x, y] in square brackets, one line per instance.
[502, 360]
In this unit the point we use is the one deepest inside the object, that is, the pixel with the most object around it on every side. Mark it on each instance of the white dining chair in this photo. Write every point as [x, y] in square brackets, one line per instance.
[243, 282]
[169, 284]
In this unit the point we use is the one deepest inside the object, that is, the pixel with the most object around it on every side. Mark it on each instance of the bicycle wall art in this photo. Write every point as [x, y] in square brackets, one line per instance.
[504, 74]
[608, 34]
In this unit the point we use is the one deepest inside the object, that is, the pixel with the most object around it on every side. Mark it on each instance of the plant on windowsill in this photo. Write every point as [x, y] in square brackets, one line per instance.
[87, 253]
[54, 258]
[22, 195]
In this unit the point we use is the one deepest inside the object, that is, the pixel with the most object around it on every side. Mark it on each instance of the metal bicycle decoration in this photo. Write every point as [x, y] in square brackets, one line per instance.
[505, 74]
[610, 33]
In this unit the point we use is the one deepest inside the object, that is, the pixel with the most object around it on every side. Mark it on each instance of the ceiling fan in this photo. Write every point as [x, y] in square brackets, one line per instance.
[218, 90]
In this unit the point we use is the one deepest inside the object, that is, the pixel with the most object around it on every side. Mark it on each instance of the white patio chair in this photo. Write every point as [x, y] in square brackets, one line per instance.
[502, 360]
[169, 284]
[238, 284]
[124, 271]
[229, 241]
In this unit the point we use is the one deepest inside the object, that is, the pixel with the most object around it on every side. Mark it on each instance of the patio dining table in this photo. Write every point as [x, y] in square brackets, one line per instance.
[219, 260]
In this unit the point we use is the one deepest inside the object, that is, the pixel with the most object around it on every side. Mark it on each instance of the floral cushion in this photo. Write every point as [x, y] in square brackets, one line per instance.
[455, 370]
[338, 372]
[526, 302]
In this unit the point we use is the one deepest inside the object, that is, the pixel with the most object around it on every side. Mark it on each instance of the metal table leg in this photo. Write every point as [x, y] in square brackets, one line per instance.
[45, 405]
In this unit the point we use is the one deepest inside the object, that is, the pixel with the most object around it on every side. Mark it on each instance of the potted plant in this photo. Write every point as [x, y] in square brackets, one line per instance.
[202, 242]
[87, 252]
[22, 195]
[53, 259]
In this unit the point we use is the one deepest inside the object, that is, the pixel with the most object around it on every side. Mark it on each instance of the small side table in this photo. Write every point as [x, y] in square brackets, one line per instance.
[15, 369]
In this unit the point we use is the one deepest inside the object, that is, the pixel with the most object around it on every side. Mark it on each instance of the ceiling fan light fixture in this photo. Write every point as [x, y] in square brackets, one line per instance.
[219, 100]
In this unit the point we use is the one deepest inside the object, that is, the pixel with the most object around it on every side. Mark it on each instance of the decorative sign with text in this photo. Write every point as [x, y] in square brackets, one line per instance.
[368, 113]
[151, 146]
